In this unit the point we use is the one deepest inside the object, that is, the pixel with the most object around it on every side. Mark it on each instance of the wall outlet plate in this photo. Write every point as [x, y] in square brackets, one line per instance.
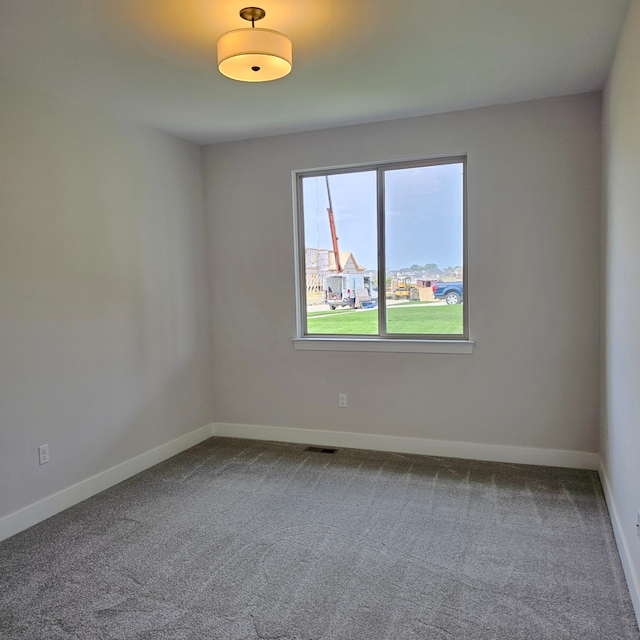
[43, 453]
[342, 400]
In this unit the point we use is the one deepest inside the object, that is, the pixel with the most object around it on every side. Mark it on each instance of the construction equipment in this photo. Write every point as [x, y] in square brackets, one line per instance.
[332, 225]
[402, 288]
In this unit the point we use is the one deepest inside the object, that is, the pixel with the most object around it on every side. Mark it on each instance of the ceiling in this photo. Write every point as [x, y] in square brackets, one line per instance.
[355, 61]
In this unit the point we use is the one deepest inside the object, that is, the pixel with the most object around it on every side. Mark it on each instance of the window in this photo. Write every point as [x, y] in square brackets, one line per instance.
[381, 252]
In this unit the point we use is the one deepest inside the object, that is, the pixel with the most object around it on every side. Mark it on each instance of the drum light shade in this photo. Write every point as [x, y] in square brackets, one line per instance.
[254, 55]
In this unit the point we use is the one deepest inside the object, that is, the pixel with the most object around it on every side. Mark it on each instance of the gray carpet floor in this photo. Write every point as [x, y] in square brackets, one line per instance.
[245, 540]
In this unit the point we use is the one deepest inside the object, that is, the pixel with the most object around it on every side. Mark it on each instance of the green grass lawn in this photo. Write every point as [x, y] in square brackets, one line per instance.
[401, 319]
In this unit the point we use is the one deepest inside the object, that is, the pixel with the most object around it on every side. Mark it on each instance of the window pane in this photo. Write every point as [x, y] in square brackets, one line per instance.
[424, 249]
[341, 294]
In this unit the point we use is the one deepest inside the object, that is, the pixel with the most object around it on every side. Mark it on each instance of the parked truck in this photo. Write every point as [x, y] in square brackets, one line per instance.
[450, 292]
[346, 289]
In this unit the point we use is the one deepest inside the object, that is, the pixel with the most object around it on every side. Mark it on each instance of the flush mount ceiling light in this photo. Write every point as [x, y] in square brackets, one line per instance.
[254, 55]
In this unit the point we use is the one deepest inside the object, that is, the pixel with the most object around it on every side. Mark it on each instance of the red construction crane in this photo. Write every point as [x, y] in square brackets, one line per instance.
[332, 224]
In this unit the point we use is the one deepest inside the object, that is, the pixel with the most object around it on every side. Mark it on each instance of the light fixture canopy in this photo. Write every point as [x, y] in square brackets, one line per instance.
[254, 55]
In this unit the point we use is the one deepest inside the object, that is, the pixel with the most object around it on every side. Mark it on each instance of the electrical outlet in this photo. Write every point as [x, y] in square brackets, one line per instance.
[43, 453]
[342, 400]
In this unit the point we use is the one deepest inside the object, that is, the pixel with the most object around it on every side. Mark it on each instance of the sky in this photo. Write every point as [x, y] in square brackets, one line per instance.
[423, 215]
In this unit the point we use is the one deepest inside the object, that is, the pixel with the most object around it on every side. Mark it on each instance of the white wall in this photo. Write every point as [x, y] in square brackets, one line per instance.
[104, 330]
[621, 380]
[534, 243]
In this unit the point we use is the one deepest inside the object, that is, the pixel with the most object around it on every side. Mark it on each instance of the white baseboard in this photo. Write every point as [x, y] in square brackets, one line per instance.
[32, 514]
[396, 444]
[622, 541]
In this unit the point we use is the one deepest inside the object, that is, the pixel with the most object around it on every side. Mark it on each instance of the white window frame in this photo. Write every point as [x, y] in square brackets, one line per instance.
[383, 342]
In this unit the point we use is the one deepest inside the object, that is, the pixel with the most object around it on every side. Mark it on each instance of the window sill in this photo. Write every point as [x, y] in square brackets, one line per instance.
[384, 345]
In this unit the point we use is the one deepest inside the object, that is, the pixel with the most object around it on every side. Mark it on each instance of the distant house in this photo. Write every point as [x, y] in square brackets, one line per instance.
[323, 261]
[453, 273]
[434, 274]
[317, 260]
[347, 261]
